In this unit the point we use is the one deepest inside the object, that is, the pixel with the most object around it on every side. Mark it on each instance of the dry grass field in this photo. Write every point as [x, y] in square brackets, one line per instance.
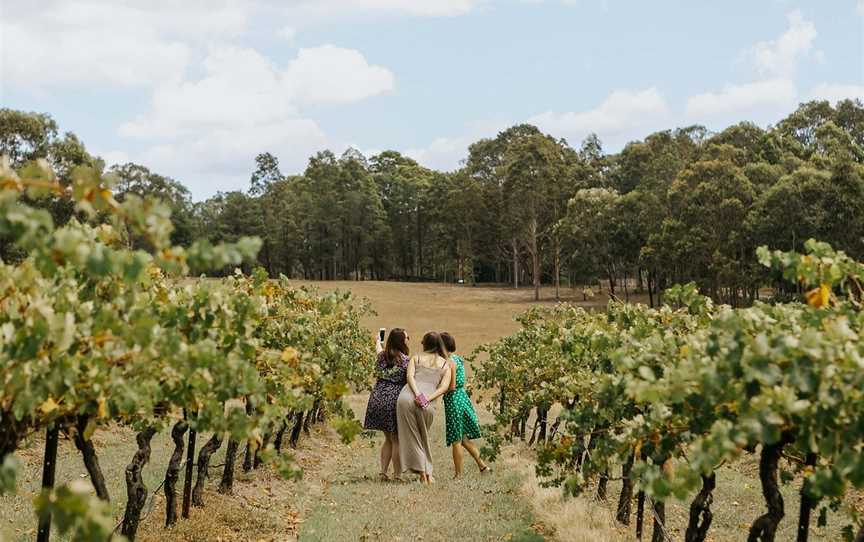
[340, 497]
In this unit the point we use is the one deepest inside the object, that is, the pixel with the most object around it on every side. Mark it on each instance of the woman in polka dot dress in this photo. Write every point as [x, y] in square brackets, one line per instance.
[461, 420]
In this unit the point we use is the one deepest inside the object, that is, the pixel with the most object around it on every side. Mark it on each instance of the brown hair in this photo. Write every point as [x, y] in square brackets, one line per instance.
[396, 346]
[449, 341]
[433, 344]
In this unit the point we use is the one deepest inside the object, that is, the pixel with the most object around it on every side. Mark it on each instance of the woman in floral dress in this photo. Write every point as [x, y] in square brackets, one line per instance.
[381, 410]
[461, 420]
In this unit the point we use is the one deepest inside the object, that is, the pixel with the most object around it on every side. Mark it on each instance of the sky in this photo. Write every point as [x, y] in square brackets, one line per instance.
[195, 89]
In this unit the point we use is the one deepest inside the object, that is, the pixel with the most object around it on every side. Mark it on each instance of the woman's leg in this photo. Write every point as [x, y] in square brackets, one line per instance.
[393, 439]
[475, 453]
[386, 454]
[457, 459]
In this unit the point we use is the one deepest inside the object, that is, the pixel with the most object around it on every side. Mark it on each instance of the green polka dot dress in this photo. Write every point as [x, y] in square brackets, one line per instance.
[461, 420]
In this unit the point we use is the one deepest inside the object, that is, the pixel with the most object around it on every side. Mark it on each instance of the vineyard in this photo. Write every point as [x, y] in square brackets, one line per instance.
[94, 333]
[661, 398]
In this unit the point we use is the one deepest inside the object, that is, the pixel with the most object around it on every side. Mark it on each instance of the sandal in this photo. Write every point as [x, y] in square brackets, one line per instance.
[383, 477]
[484, 469]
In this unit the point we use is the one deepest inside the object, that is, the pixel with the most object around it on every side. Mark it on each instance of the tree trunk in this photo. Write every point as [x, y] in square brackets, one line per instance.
[515, 263]
[173, 472]
[625, 499]
[248, 458]
[700, 511]
[650, 289]
[49, 469]
[554, 428]
[419, 242]
[295, 431]
[136, 491]
[557, 269]
[764, 528]
[226, 486]
[601, 485]
[187, 479]
[310, 418]
[542, 414]
[280, 436]
[808, 503]
[535, 260]
[640, 514]
[207, 450]
[657, 532]
[257, 459]
[91, 460]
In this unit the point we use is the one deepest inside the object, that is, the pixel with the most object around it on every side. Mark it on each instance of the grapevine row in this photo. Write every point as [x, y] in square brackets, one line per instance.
[666, 396]
[93, 332]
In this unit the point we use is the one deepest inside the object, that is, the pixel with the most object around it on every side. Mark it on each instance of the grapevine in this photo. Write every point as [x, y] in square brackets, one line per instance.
[667, 395]
[93, 333]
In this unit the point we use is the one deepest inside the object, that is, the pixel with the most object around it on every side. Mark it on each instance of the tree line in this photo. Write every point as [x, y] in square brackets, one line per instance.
[526, 208]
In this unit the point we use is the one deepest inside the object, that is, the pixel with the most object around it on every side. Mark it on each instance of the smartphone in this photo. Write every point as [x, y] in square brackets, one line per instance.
[381, 334]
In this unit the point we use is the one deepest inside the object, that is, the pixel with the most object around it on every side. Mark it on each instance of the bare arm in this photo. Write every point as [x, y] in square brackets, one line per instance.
[412, 368]
[443, 386]
[378, 346]
[452, 376]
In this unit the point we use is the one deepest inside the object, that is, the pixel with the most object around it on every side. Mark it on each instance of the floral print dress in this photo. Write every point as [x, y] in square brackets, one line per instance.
[381, 409]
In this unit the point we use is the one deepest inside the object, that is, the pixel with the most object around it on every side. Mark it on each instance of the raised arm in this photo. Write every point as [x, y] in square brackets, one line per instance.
[444, 385]
[378, 346]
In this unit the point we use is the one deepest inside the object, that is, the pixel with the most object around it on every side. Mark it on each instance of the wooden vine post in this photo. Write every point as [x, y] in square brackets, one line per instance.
[187, 481]
[49, 468]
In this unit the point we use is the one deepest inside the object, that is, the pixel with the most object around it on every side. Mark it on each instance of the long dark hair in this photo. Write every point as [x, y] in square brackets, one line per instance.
[449, 341]
[433, 344]
[396, 346]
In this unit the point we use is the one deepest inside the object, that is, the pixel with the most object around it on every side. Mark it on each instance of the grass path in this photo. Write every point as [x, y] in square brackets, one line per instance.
[358, 506]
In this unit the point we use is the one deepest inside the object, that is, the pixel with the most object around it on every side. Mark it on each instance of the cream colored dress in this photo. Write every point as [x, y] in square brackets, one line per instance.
[414, 422]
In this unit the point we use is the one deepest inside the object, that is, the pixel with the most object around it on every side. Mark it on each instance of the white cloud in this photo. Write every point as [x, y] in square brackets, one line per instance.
[834, 92]
[308, 11]
[287, 33]
[444, 153]
[82, 43]
[332, 75]
[243, 104]
[623, 114]
[447, 153]
[774, 92]
[101, 42]
[742, 100]
[780, 57]
[241, 87]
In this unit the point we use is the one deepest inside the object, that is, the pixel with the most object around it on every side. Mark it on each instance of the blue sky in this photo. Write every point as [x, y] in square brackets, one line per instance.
[195, 89]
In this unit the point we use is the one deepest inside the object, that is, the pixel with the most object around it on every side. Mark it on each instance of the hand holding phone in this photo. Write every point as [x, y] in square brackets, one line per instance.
[381, 334]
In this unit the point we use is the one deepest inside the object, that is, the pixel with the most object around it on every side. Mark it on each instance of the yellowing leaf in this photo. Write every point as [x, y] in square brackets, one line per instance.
[819, 297]
[102, 412]
[289, 354]
[49, 406]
